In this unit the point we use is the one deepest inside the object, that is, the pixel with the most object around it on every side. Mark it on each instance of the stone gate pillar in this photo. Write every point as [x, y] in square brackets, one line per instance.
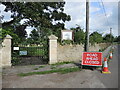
[52, 49]
[6, 51]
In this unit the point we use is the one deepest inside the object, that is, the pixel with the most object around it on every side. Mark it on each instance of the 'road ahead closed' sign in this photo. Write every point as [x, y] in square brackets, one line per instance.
[92, 58]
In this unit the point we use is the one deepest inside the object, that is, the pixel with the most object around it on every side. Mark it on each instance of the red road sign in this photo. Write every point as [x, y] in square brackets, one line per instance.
[92, 58]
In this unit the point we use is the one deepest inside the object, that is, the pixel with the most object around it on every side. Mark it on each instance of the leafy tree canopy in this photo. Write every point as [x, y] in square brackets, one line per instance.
[4, 32]
[96, 37]
[79, 35]
[48, 16]
[40, 14]
[108, 38]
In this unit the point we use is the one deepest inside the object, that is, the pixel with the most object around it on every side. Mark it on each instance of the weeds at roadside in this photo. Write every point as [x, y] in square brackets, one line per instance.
[61, 71]
[36, 68]
[53, 67]
[61, 63]
[41, 66]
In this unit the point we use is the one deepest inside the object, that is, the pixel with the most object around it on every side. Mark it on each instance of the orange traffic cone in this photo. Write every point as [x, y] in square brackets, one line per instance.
[110, 55]
[105, 68]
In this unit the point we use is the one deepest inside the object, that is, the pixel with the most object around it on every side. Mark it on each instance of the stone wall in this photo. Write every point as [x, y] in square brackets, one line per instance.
[74, 52]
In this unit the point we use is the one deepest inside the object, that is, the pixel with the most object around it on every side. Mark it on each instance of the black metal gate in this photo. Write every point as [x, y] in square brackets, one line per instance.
[30, 54]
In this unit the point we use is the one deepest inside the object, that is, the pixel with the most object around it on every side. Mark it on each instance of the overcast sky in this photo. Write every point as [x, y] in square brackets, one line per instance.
[98, 21]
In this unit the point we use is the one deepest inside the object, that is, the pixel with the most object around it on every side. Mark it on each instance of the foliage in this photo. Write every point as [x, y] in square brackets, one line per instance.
[57, 33]
[36, 68]
[21, 32]
[37, 13]
[4, 32]
[53, 67]
[17, 29]
[108, 38]
[34, 37]
[42, 14]
[117, 39]
[15, 60]
[65, 42]
[79, 35]
[34, 51]
[96, 37]
[42, 66]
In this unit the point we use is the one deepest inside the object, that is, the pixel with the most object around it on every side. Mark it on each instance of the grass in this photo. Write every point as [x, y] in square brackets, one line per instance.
[41, 66]
[61, 63]
[61, 70]
[36, 68]
[68, 70]
[53, 67]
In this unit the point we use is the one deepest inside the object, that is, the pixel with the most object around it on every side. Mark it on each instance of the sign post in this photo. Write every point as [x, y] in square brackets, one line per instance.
[92, 58]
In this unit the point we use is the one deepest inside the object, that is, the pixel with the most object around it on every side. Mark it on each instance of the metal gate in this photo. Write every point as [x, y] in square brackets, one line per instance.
[30, 54]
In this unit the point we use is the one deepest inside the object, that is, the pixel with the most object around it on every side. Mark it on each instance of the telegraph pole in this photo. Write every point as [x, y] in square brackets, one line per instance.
[87, 27]
[111, 35]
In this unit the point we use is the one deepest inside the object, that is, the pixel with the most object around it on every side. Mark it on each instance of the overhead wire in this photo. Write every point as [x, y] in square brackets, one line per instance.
[104, 11]
[96, 14]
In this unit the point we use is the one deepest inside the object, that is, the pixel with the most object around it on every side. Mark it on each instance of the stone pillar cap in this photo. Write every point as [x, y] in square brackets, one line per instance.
[53, 37]
[8, 37]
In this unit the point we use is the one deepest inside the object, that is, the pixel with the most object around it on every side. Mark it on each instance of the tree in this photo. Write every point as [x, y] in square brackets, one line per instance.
[96, 37]
[108, 38]
[41, 14]
[34, 36]
[79, 35]
[117, 39]
[10, 32]
[21, 32]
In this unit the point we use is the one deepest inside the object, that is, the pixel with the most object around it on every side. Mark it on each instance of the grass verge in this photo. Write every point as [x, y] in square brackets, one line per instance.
[61, 63]
[39, 67]
[61, 70]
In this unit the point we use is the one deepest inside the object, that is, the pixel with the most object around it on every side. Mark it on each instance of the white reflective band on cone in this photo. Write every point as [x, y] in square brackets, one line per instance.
[105, 64]
[110, 54]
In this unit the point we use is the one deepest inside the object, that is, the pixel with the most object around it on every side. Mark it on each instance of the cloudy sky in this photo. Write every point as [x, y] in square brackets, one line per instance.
[98, 20]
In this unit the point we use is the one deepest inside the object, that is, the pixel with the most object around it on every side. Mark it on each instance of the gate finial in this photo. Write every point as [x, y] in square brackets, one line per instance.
[8, 37]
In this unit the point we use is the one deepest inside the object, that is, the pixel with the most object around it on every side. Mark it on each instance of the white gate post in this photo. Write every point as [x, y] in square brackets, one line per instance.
[52, 49]
[6, 51]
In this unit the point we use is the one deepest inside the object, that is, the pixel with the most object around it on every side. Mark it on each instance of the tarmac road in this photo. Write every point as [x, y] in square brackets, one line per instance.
[111, 80]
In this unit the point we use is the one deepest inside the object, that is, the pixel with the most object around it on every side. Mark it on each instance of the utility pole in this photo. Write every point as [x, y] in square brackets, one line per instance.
[87, 27]
[111, 35]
